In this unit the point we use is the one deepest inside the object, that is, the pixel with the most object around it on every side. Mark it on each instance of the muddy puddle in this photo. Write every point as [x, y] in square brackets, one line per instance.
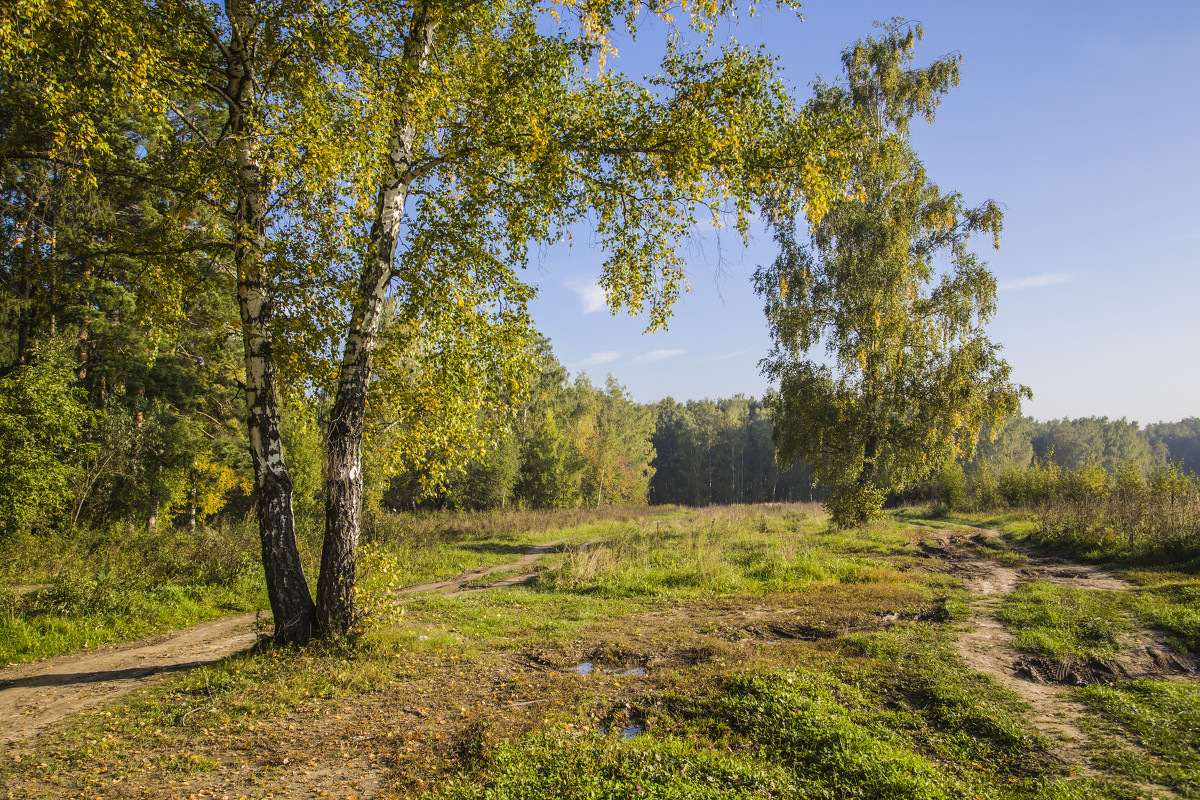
[587, 668]
[628, 728]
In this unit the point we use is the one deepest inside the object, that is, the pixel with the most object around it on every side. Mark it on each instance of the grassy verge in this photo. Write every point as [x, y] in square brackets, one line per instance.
[87, 611]
[1064, 622]
[62, 592]
[755, 651]
[1149, 731]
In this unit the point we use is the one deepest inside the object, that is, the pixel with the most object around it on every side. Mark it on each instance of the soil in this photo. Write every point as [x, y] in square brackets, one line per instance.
[452, 587]
[41, 693]
[1044, 683]
[38, 694]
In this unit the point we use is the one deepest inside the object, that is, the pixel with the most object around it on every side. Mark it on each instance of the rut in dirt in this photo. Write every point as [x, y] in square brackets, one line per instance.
[986, 644]
[40, 693]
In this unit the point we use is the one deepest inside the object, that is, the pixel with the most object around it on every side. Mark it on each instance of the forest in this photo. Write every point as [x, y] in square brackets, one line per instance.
[265, 323]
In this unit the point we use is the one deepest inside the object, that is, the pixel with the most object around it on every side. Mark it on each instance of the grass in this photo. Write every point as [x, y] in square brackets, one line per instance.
[1064, 621]
[1166, 593]
[764, 654]
[88, 611]
[63, 592]
[1149, 731]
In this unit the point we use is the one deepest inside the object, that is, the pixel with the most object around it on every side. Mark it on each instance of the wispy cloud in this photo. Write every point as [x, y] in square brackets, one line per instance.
[1036, 281]
[657, 355]
[595, 359]
[730, 355]
[590, 295]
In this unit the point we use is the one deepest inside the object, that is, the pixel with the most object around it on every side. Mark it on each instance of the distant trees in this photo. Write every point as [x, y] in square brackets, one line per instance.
[1181, 440]
[563, 445]
[721, 452]
[912, 376]
[1073, 444]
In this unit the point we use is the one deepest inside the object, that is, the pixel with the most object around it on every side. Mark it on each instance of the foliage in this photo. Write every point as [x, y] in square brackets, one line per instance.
[612, 436]
[1181, 439]
[1090, 510]
[42, 415]
[721, 452]
[914, 377]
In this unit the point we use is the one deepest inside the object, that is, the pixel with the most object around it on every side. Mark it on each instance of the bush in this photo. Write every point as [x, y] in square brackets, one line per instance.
[952, 486]
[854, 506]
[1089, 509]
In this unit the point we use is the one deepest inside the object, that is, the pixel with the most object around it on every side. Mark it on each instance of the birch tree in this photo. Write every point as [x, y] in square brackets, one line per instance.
[496, 125]
[889, 287]
[391, 161]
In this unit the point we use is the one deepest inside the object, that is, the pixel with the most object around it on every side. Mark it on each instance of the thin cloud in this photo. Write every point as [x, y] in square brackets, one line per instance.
[603, 357]
[590, 295]
[657, 355]
[730, 355]
[1037, 281]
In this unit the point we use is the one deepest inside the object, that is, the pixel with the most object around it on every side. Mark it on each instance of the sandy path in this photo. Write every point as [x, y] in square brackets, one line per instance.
[40, 693]
[457, 585]
[986, 645]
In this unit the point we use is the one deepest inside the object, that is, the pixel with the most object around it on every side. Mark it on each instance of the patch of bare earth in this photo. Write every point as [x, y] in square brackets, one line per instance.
[1044, 684]
[38, 694]
[468, 580]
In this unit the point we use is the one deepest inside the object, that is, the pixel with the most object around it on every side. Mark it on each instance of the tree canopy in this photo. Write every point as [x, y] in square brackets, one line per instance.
[365, 179]
[888, 286]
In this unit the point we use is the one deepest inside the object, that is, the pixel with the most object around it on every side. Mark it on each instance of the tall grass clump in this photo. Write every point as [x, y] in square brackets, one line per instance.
[1125, 512]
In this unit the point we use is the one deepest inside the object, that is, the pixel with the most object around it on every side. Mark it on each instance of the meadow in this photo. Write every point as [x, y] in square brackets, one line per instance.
[742, 651]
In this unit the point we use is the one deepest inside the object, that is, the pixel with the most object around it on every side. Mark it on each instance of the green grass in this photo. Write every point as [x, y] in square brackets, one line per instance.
[1063, 621]
[1172, 606]
[78, 611]
[893, 715]
[782, 657]
[1149, 731]
[729, 551]
[86, 588]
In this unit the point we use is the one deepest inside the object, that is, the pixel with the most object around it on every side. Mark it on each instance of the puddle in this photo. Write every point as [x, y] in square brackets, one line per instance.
[587, 668]
[631, 730]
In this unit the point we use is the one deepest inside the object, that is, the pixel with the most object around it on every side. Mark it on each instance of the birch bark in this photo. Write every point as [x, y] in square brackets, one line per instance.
[287, 587]
[343, 465]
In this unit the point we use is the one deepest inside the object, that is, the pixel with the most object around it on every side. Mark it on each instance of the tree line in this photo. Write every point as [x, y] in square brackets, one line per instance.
[564, 444]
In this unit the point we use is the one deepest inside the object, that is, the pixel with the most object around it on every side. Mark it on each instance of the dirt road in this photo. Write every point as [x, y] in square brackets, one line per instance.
[41, 693]
[986, 644]
[38, 694]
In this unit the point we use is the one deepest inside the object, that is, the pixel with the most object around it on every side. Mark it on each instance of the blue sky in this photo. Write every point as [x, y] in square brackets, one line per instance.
[1081, 119]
